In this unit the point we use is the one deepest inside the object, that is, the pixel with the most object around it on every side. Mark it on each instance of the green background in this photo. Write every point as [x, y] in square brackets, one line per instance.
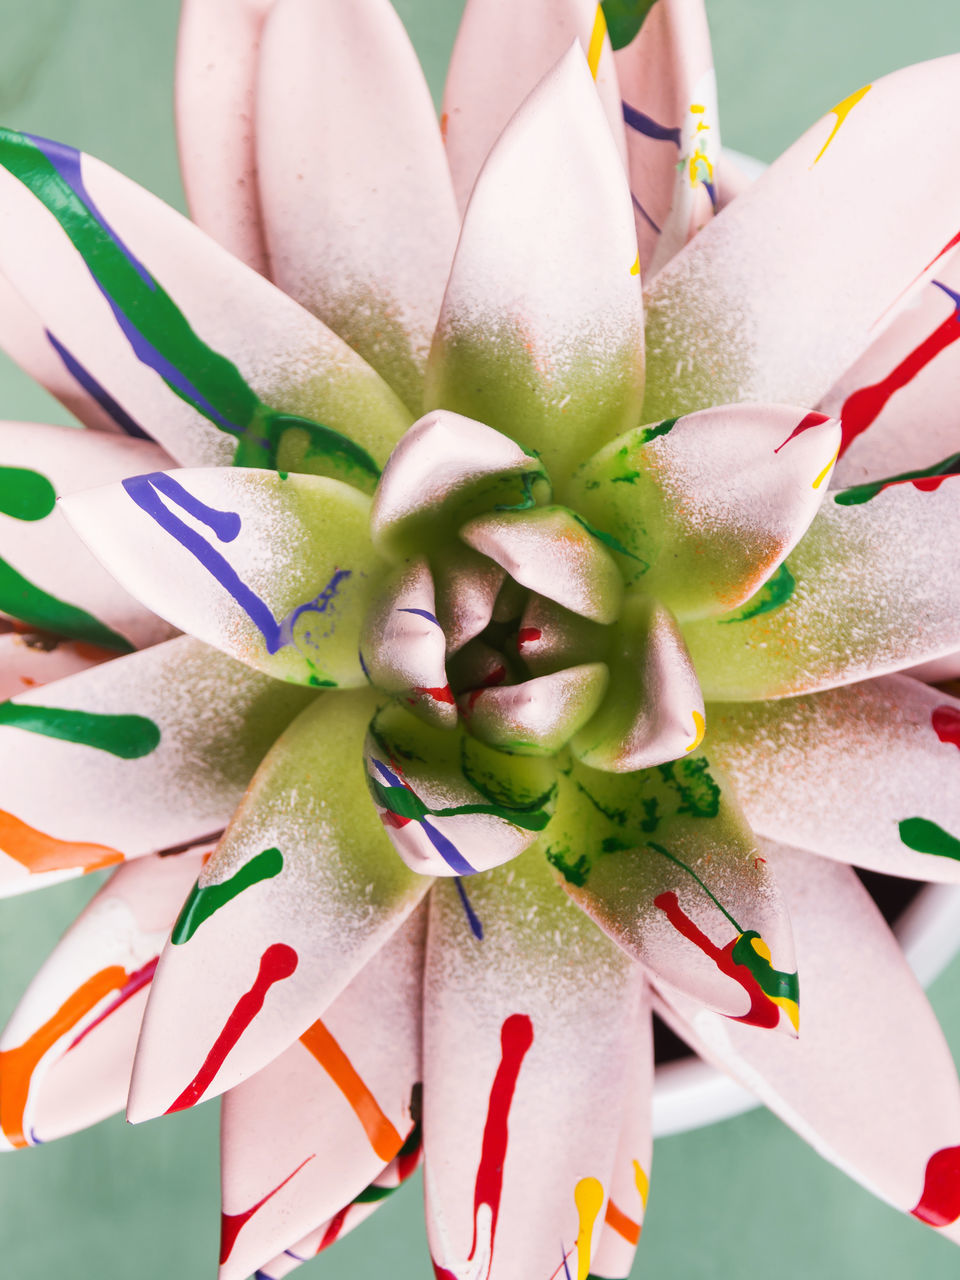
[743, 1197]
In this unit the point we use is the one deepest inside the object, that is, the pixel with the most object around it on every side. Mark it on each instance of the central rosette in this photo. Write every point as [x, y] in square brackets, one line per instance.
[505, 634]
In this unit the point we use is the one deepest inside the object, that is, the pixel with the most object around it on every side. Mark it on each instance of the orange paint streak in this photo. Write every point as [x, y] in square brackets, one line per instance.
[40, 852]
[383, 1137]
[623, 1225]
[18, 1065]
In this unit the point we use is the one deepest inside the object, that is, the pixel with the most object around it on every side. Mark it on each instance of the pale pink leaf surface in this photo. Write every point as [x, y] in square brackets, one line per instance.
[289, 359]
[274, 569]
[78, 791]
[525, 1065]
[669, 93]
[217, 58]
[653, 709]
[67, 1051]
[706, 507]
[541, 331]
[502, 52]
[630, 1180]
[873, 1090]
[784, 290]
[536, 716]
[664, 863]
[893, 401]
[24, 338]
[860, 596]
[359, 212]
[303, 890]
[865, 774]
[44, 549]
[331, 1111]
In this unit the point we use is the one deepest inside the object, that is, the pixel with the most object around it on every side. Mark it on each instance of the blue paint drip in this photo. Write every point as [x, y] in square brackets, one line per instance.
[422, 613]
[712, 193]
[146, 490]
[566, 1269]
[95, 390]
[447, 850]
[649, 127]
[951, 293]
[472, 916]
[643, 213]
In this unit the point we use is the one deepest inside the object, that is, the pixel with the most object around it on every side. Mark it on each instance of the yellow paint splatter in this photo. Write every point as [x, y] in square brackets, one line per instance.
[699, 729]
[697, 108]
[790, 1007]
[595, 48]
[841, 111]
[642, 1181]
[826, 470]
[588, 1197]
[635, 269]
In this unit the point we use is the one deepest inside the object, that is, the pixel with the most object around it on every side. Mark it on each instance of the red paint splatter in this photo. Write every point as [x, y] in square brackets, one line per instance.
[277, 962]
[231, 1224]
[334, 1227]
[395, 820]
[940, 1203]
[438, 694]
[516, 1037]
[811, 420]
[441, 1273]
[528, 635]
[763, 1012]
[494, 677]
[756, 862]
[862, 408]
[136, 982]
[946, 724]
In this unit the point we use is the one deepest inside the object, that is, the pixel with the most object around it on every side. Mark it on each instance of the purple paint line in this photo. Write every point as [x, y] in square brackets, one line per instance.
[95, 390]
[643, 213]
[642, 123]
[472, 916]
[447, 850]
[422, 613]
[951, 293]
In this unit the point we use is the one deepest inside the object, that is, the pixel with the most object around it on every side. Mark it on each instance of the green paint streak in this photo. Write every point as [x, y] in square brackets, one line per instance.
[25, 495]
[624, 19]
[772, 982]
[859, 493]
[699, 793]
[658, 848]
[30, 604]
[209, 382]
[202, 903]
[405, 804]
[527, 479]
[646, 434]
[924, 836]
[127, 736]
[608, 539]
[772, 595]
[574, 872]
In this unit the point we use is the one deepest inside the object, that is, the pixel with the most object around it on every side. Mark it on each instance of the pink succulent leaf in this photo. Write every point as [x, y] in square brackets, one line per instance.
[630, 1179]
[653, 709]
[468, 585]
[518, 1155]
[551, 638]
[877, 1096]
[217, 57]
[663, 863]
[352, 1215]
[799, 766]
[360, 218]
[402, 645]
[536, 716]
[450, 804]
[295, 901]
[332, 1111]
[707, 507]
[67, 1051]
[891, 403]
[446, 469]
[88, 764]
[861, 595]
[775, 298]
[276, 570]
[30, 344]
[552, 551]
[30, 659]
[501, 54]
[557, 361]
[192, 346]
[48, 579]
[669, 92]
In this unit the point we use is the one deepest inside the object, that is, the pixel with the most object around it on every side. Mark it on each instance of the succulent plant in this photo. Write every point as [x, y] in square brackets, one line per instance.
[560, 531]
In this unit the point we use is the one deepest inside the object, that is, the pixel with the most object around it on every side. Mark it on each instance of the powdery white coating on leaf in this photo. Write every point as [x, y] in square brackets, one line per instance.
[868, 599]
